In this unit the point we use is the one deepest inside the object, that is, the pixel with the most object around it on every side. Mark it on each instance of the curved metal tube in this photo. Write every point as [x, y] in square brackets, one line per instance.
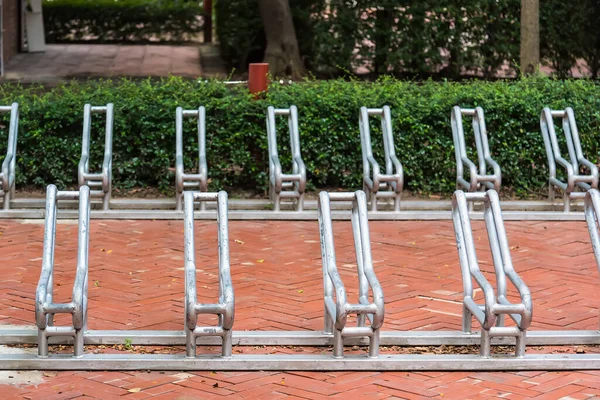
[338, 309]
[373, 180]
[576, 159]
[226, 306]
[45, 308]
[102, 180]
[478, 176]
[285, 185]
[491, 314]
[185, 181]
[7, 175]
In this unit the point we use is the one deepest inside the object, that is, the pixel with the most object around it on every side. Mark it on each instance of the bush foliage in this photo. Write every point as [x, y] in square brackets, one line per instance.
[121, 21]
[416, 39]
[144, 132]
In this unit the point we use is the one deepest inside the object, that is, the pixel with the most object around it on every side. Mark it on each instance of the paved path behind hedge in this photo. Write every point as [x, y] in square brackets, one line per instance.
[67, 61]
[136, 282]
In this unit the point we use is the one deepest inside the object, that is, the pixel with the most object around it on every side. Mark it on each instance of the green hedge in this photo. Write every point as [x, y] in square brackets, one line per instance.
[404, 37]
[121, 20]
[144, 135]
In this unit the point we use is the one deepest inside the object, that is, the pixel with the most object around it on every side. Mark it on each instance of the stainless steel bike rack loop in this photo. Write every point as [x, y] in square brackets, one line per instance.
[99, 183]
[337, 306]
[576, 160]
[45, 308]
[7, 175]
[491, 314]
[184, 181]
[478, 176]
[592, 211]
[389, 184]
[285, 186]
[225, 307]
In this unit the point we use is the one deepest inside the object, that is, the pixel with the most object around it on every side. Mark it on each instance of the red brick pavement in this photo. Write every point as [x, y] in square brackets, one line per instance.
[136, 282]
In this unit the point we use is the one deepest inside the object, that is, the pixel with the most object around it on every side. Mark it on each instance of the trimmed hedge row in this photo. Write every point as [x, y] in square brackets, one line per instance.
[144, 134]
[121, 21]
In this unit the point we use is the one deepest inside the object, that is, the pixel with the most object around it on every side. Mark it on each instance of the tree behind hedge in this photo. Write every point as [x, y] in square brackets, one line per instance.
[404, 37]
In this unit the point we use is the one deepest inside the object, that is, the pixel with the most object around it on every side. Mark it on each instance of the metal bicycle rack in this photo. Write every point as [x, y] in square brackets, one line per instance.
[491, 314]
[45, 308]
[592, 212]
[369, 309]
[225, 307]
[99, 183]
[576, 159]
[285, 186]
[185, 181]
[7, 175]
[478, 176]
[336, 304]
[389, 184]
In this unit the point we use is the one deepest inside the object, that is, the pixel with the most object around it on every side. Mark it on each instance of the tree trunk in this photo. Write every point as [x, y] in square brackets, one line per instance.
[282, 51]
[530, 36]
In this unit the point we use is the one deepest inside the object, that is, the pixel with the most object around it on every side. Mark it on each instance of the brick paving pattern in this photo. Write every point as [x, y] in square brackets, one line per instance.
[67, 61]
[136, 282]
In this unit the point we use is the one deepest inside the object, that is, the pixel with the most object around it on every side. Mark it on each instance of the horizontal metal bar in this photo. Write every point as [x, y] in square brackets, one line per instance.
[301, 362]
[261, 204]
[292, 215]
[19, 335]
[98, 109]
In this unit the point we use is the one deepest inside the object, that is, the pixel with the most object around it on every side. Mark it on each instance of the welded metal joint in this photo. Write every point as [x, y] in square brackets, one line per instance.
[190, 181]
[7, 175]
[491, 313]
[45, 307]
[99, 183]
[581, 173]
[370, 305]
[478, 177]
[224, 309]
[285, 186]
[376, 184]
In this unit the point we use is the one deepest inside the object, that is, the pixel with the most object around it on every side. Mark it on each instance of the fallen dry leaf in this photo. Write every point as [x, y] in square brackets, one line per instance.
[135, 390]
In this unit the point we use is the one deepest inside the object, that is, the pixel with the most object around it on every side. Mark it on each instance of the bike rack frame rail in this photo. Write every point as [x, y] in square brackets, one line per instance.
[7, 175]
[285, 186]
[184, 180]
[389, 184]
[225, 307]
[491, 314]
[45, 308]
[99, 183]
[576, 159]
[336, 304]
[592, 211]
[478, 176]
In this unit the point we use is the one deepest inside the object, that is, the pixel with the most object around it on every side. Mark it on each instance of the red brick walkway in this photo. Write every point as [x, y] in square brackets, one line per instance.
[136, 282]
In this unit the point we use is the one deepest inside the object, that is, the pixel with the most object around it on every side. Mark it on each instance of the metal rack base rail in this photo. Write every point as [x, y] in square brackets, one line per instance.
[592, 212]
[45, 308]
[99, 183]
[225, 307]
[185, 181]
[390, 183]
[576, 160]
[285, 186]
[491, 314]
[7, 175]
[479, 179]
[337, 306]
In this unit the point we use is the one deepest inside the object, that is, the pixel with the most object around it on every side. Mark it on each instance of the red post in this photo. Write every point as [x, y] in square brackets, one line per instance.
[258, 79]
[207, 21]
